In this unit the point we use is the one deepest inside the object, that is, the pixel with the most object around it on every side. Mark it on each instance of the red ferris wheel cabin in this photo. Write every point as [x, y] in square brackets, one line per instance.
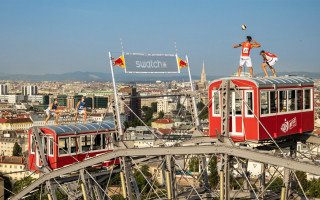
[283, 106]
[67, 144]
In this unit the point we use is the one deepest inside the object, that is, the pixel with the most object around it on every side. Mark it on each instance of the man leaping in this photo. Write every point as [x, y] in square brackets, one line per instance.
[245, 54]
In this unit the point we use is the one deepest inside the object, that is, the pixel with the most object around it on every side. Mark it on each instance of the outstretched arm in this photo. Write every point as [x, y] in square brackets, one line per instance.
[236, 46]
[256, 44]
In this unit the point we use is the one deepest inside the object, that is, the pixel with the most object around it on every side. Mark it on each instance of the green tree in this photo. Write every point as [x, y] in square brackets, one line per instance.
[17, 150]
[7, 185]
[179, 105]
[205, 112]
[18, 185]
[160, 115]
[115, 179]
[141, 181]
[302, 177]
[314, 190]
[276, 184]
[194, 164]
[213, 176]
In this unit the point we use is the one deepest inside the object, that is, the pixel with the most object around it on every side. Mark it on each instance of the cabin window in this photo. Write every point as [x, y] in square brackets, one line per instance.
[238, 103]
[291, 100]
[249, 102]
[96, 142]
[110, 144]
[73, 144]
[104, 141]
[273, 102]
[63, 146]
[264, 102]
[44, 144]
[216, 103]
[33, 146]
[283, 101]
[86, 143]
[50, 146]
[307, 99]
[299, 98]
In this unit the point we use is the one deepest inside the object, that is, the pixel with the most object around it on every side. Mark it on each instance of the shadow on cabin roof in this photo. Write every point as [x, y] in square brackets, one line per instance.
[283, 81]
[80, 128]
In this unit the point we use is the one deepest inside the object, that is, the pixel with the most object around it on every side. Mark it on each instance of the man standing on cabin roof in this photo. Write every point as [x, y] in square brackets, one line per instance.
[245, 54]
[270, 60]
[52, 110]
[81, 109]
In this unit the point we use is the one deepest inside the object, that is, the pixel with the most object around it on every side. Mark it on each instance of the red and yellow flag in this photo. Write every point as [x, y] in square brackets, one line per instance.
[182, 63]
[120, 62]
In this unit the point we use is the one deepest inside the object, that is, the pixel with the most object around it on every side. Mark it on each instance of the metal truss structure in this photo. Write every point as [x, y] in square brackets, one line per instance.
[79, 181]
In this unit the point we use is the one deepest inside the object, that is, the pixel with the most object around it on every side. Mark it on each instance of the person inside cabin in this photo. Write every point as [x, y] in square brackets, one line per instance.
[52, 110]
[81, 109]
[245, 54]
[270, 60]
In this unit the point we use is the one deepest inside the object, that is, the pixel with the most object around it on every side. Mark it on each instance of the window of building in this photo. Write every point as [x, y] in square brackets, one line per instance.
[63, 146]
[249, 103]
[264, 102]
[216, 103]
[291, 100]
[73, 144]
[307, 99]
[283, 101]
[299, 98]
[96, 142]
[273, 102]
[85, 143]
[51, 146]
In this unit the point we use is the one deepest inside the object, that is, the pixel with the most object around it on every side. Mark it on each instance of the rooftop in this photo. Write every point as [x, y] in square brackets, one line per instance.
[12, 159]
[79, 128]
[164, 121]
[284, 81]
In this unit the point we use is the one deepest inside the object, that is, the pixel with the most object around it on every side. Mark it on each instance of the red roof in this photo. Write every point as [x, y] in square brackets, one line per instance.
[165, 131]
[23, 115]
[316, 131]
[2, 120]
[164, 121]
[15, 120]
[12, 159]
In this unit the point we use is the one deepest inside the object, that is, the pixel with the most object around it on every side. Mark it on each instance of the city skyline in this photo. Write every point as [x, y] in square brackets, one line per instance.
[61, 37]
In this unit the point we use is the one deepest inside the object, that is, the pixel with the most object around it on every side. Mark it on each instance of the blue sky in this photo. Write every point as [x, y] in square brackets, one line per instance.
[38, 37]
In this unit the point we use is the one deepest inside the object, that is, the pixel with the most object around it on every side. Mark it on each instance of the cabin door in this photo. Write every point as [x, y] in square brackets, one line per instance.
[236, 113]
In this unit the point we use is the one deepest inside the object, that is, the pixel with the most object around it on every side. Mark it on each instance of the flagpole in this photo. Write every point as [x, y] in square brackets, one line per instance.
[193, 98]
[115, 96]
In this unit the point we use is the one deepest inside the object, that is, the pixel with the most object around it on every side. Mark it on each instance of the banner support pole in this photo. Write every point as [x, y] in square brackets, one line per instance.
[115, 96]
[193, 98]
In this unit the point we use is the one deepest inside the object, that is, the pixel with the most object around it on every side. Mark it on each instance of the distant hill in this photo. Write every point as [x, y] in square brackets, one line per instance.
[99, 76]
[122, 77]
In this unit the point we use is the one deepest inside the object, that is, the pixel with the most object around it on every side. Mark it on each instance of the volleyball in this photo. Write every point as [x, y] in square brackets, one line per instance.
[243, 27]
